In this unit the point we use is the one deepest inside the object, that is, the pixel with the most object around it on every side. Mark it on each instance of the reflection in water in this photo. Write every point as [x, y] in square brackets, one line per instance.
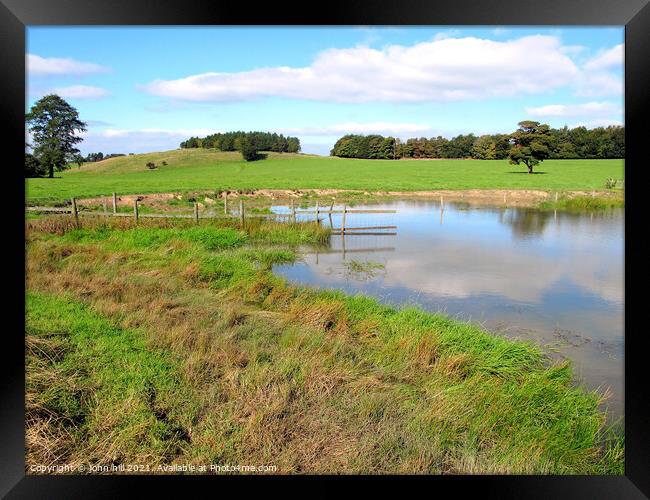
[526, 222]
[555, 278]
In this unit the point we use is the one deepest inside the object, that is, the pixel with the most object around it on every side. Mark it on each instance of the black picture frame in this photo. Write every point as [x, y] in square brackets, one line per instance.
[15, 15]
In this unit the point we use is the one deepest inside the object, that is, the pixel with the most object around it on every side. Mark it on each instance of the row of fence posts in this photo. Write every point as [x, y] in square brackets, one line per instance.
[242, 212]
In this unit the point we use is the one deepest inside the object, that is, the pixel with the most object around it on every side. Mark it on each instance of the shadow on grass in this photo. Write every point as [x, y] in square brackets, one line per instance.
[259, 156]
[520, 172]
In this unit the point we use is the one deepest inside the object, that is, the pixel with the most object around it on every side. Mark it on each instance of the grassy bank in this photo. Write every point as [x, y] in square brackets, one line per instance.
[175, 343]
[188, 170]
[583, 203]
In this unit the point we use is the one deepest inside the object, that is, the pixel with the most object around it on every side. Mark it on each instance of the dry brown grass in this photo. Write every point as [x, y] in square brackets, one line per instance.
[324, 315]
[49, 435]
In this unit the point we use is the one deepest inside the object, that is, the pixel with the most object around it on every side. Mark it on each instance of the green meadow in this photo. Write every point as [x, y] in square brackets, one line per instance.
[199, 169]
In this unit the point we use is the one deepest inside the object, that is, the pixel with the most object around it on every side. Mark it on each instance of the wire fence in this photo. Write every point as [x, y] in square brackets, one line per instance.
[341, 219]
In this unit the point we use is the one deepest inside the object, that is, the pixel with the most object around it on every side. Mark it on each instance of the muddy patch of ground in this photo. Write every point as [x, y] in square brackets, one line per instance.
[493, 197]
[128, 198]
[483, 196]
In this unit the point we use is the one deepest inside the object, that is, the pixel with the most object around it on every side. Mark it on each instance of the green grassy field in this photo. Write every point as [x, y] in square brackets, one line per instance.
[174, 343]
[207, 169]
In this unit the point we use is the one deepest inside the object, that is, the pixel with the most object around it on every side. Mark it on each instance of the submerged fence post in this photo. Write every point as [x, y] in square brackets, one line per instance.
[135, 210]
[241, 212]
[75, 212]
[196, 212]
[316, 211]
[114, 203]
[442, 202]
[343, 220]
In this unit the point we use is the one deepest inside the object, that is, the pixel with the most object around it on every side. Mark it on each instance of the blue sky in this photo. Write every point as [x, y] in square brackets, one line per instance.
[147, 88]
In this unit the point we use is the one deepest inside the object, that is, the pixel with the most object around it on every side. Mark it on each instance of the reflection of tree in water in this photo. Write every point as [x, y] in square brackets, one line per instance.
[525, 222]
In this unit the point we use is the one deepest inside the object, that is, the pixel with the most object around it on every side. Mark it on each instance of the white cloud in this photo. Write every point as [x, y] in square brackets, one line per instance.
[384, 128]
[80, 92]
[115, 140]
[443, 35]
[439, 70]
[602, 122]
[111, 132]
[589, 109]
[601, 74]
[97, 123]
[599, 83]
[607, 58]
[37, 65]
[573, 49]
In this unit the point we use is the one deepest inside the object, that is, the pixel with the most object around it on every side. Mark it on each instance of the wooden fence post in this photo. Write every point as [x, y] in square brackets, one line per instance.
[293, 212]
[135, 209]
[75, 212]
[317, 211]
[114, 203]
[330, 214]
[105, 208]
[196, 212]
[241, 213]
[343, 220]
[442, 203]
[225, 204]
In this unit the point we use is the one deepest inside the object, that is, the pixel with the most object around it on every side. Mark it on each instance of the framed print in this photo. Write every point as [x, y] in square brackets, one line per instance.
[382, 242]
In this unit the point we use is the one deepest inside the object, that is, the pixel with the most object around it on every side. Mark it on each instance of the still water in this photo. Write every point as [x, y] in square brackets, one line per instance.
[553, 277]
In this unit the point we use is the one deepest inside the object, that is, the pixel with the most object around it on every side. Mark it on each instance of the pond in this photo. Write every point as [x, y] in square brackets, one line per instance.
[553, 277]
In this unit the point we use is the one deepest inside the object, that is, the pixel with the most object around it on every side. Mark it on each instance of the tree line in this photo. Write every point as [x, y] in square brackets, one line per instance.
[93, 157]
[563, 143]
[245, 141]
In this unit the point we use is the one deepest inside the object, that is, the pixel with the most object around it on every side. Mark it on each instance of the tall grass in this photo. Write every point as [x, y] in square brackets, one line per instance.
[255, 370]
[583, 203]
